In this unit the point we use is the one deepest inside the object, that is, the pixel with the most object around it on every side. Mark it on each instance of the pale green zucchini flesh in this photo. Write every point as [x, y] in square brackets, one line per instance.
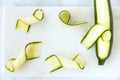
[31, 51]
[23, 24]
[92, 35]
[103, 34]
[58, 62]
[54, 63]
[103, 15]
[65, 17]
[80, 61]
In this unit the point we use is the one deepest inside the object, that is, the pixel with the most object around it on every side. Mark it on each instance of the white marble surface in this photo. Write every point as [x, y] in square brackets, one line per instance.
[11, 3]
[52, 2]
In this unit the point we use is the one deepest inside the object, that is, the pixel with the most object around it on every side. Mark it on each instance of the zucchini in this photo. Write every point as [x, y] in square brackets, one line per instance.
[65, 17]
[31, 51]
[25, 23]
[102, 36]
[58, 62]
[93, 34]
[103, 15]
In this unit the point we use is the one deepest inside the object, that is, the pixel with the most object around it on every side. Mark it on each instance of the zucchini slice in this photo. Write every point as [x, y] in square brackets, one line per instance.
[103, 15]
[92, 35]
[31, 51]
[57, 62]
[65, 17]
[25, 23]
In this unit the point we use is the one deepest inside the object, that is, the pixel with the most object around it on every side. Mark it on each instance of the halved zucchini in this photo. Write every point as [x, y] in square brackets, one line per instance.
[103, 15]
[65, 17]
[31, 51]
[104, 34]
[25, 23]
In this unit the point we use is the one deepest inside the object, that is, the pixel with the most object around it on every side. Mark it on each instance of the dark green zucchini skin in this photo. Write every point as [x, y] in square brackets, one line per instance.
[102, 61]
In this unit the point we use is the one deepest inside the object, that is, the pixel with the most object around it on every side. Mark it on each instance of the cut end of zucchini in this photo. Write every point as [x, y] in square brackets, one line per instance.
[102, 50]
[9, 64]
[65, 16]
[32, 50]
[80, 61]
[38, 14]
[101, 62]
[54, 63]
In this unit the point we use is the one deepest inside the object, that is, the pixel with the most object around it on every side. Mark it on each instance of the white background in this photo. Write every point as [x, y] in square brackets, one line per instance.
[8, 3]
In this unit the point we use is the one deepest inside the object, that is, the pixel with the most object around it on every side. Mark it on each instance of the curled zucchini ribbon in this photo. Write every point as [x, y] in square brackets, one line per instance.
[65, 17]
[31, 51]
[57, 62]
[25, 23]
